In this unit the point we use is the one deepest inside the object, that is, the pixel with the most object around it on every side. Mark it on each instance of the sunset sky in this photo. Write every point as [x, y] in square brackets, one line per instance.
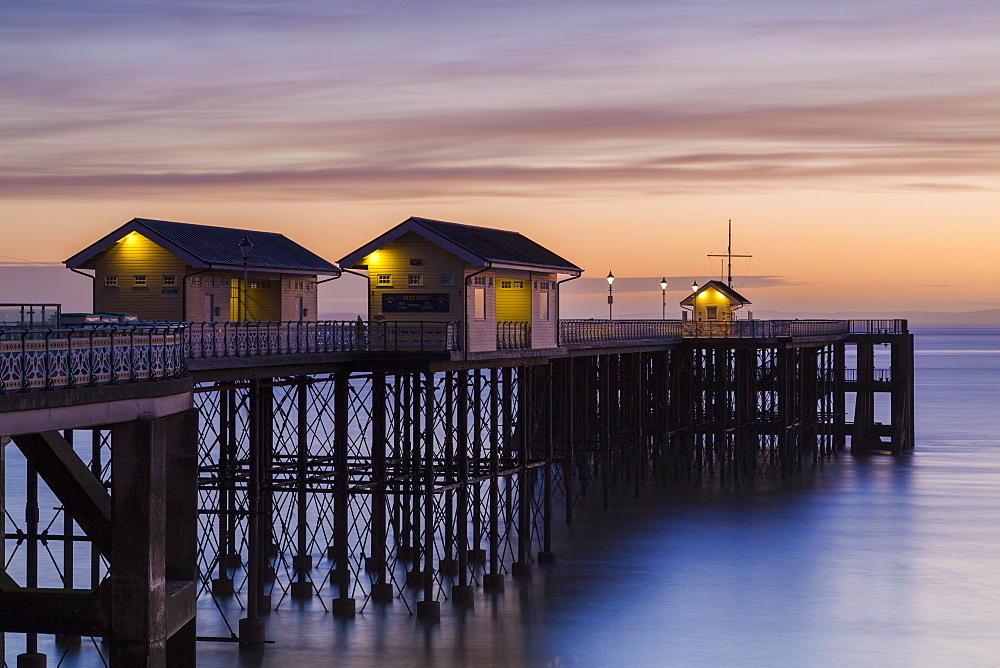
[853, 144]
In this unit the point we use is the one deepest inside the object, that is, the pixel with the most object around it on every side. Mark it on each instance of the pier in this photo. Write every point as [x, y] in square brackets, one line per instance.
[371, 463]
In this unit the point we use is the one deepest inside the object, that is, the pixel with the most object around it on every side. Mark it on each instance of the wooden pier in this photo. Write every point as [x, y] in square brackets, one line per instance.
[367, 466]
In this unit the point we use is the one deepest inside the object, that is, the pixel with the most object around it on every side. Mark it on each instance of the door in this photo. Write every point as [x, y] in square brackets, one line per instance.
[209, 308]
[300, 308]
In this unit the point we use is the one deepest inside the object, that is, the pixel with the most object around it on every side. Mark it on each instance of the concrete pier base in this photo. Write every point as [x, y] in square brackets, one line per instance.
[340, 576]
[222, 588]
[462, 595]
[493, 582]
[32, 660]
[477, 556]
[546, 557]
[382, 592]
[521, 569]
[429, 610]
[344, 608]
[415, 578]
[302, 590]
[302, 563]
[252, 633]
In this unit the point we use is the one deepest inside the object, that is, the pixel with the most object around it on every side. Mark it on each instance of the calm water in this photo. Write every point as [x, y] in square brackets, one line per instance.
[876, 561]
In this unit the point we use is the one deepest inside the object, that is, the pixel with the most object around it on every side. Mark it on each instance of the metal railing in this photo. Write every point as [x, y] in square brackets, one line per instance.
[513, 334]
[54, 358]
[256, 339]
[29, 316]
[763, 329]
[896, 326]
[878, 375]
[596, 331]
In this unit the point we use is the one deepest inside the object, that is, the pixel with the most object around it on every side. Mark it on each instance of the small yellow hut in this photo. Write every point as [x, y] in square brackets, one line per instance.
[167, 271]
[499, 285]
[714, 302]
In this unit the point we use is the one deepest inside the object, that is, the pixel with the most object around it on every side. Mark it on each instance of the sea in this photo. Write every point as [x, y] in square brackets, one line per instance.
[857, 561]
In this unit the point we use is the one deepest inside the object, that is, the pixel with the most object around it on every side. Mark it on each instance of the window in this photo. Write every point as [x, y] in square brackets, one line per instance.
[415, 279]
[196, 280]
[169, 281]
[446, 279]
[254, 285]
[518, 285]
[542, 285]
[309, 286]
[713, 312]
[416, 263]
[543, 305]
[139, 280]
[111, 281]
[384, 279]
[208, 282]
[479, 280]
[506, 284]
[480, 303]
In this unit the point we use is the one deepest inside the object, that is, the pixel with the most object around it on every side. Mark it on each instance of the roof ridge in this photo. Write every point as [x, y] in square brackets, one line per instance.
[210, 227]
[475, 227]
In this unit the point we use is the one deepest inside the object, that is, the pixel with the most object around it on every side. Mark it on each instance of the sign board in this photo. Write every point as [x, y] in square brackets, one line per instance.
[415, 303]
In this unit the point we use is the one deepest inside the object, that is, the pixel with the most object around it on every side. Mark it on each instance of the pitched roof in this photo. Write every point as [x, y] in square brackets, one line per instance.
[205, 245]
[479, 246]
[721, 287]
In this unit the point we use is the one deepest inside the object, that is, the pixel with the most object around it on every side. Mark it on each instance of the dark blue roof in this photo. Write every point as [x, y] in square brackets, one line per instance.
[220, 245]
[496, 245]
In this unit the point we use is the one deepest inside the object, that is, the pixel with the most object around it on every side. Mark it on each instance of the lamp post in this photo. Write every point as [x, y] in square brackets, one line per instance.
[611, 297]
[694, 286]
[245, 247]
[663, 291]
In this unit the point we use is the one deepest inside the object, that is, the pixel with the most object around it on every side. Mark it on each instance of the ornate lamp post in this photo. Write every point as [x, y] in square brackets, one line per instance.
[611, 297]
[245, 247]
[663, 291]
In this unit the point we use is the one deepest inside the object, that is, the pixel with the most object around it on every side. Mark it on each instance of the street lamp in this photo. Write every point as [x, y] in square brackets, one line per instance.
[663, 290]
[611, 297]
[694, 286]
[245, 247]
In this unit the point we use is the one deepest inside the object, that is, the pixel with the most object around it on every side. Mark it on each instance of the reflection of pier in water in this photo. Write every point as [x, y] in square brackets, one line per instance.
[362, 467]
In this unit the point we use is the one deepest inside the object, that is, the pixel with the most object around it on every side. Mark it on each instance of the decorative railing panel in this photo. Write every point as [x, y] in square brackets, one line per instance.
[45, 359]
[597, 331]
[513, 334]
[256, 339]
[896, 326]
[763, 329]
[878, 375]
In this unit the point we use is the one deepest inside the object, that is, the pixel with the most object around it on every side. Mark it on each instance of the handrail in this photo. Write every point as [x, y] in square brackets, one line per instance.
[513, 334]
[263, 338]
[596, 331]
[34, 359]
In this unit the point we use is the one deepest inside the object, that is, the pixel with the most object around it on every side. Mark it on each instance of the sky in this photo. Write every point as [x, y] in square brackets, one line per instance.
[854, 145]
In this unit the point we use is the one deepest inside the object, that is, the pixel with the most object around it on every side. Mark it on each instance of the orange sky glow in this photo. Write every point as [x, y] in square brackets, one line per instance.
[854, 144]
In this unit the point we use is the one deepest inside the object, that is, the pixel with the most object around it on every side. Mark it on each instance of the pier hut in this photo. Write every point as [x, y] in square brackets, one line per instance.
[167, 271]
[714, 302]
[501, 286]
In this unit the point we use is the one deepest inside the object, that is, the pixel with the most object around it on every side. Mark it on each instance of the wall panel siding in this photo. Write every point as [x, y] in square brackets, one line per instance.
[543, 332]
[136, 255]
[394, 259]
